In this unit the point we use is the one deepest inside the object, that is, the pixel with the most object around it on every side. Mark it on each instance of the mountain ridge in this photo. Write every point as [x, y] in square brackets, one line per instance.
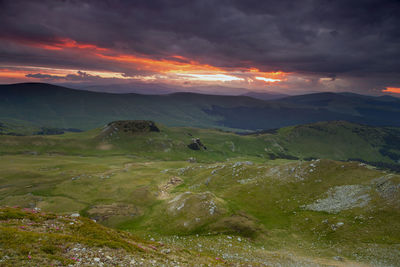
[60, 107]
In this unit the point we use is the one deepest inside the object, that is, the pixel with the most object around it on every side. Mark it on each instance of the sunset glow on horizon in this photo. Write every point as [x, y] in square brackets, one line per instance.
[225, 46]
[271, 80]
[168, 69]
[395, 90]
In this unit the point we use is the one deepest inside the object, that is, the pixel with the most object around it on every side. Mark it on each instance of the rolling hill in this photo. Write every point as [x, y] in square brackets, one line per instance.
[288, 197]
[50, 105]
[265, 96]
[336, 140]
[45, 105]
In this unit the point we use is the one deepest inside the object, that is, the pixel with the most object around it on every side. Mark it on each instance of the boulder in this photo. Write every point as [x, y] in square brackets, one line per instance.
[196, 144]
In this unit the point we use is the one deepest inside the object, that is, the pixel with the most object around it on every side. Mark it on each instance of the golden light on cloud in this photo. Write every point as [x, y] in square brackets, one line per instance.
[6, 73]
[171, 69]
[395, 90]
[104, 74]
[268, 80]
[210, 77]
[162, 65]
[268, 77]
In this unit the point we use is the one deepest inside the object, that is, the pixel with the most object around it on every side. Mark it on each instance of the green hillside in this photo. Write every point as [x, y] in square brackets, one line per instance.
[337, 140]
[31, 238]
[253, 199]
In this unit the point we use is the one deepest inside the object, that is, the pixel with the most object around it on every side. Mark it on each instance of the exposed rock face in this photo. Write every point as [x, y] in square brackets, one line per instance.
[342, 198]
[115, 128]
[388, 189]
[134, 126]
[196, 144]
[165, 188]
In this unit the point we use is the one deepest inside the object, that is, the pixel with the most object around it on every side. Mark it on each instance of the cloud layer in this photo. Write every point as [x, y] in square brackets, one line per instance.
[318, 44]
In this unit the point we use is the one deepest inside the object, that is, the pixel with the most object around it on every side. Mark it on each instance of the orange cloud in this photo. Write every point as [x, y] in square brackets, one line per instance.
[174, 63]
[173, 67]
[268, 77]
[209, 77]
[163, 65]
[181, 65]
[392, 90]
[5, 73]
[63, 43]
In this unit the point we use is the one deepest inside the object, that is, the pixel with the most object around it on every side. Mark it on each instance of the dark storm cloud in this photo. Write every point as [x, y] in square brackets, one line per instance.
[45, 76]
[79, 76]
[326, 38]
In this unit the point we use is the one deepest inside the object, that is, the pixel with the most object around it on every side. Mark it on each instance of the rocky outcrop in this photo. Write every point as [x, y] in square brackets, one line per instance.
[165, 188]
[135, 126]
[388, 189]
[128, 127]
[342, 198]
[196, 144]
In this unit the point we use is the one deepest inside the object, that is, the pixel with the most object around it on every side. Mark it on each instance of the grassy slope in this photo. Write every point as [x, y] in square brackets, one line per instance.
[15, 127]
[271, 198]
[32, 239]
[332, 140]
[262, 202]
[338, 140]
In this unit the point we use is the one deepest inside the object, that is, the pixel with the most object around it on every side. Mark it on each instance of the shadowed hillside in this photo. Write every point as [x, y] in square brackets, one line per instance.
[53, 106]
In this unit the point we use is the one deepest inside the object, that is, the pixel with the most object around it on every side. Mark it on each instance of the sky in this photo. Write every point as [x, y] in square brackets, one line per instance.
[222, 46]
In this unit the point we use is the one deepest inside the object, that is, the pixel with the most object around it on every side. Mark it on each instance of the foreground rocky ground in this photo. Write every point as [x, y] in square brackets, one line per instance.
[32, 238]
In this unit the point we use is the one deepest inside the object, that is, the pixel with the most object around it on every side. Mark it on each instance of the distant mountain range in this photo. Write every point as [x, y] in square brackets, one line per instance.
[161, 89]
[55, 106]
[265, 96]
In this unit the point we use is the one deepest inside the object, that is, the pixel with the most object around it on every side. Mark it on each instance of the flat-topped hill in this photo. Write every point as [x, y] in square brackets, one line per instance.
[134, 126]
[129, 127]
